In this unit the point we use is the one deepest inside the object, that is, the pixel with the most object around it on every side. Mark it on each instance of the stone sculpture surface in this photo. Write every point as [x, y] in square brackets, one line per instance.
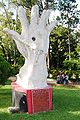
[33, 44]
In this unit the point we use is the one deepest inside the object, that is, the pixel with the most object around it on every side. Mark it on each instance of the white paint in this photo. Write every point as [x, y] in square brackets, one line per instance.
[33, 74]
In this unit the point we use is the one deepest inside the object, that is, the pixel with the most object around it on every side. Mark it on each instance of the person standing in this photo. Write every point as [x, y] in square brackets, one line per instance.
[66, 79]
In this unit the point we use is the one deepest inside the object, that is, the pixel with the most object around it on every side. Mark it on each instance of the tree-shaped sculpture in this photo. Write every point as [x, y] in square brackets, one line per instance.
[33, 44]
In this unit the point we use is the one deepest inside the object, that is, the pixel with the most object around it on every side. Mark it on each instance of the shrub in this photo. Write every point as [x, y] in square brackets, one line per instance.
[70, 64]
[53, 73]
[5, 70]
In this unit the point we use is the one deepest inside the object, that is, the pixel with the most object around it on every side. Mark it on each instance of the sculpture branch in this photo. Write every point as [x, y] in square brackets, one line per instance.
[34, 15]
[12, 33]
[51, 26]
[23, 20]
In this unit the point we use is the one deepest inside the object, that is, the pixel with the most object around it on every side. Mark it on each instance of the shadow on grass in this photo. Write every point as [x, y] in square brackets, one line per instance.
[66, 106]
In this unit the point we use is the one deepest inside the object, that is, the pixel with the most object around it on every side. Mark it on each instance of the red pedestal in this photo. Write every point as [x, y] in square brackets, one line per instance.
[38, 100]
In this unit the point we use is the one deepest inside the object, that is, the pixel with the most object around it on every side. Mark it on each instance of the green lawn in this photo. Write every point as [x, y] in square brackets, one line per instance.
[66, 105]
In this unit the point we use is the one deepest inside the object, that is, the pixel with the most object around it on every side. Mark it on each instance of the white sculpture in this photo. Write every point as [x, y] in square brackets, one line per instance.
[33, 44]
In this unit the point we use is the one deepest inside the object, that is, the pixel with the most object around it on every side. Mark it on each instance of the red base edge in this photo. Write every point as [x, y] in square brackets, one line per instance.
[38, 100]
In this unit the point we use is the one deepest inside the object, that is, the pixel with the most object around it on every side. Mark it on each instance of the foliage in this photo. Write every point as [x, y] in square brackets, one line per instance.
[69, 13]
[53, 73]
[5, 70]
[26, 3]
[59, 46]
[70, 64]
[8, 47]
[63, 39]
[69, 18]
[50, 4]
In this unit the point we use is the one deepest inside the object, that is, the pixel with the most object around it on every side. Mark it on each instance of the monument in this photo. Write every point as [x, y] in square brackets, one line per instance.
[33, 44]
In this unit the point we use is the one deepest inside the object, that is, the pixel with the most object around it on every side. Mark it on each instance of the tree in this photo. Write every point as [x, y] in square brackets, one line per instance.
[5, 22]
[8, 47]
[58, 46]
[69, 17]
[26, 3]
[49, 4]
[5, 70]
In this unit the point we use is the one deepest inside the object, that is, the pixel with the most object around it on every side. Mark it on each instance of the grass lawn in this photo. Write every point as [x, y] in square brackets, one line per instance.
[66, 105]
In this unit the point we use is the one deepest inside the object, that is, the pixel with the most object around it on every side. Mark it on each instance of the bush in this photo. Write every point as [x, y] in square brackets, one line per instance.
[15, 69]
[5, 70]
[53, 73]
[70, 64]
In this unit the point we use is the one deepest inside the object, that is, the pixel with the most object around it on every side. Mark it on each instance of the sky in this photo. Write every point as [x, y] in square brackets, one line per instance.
[78, 2]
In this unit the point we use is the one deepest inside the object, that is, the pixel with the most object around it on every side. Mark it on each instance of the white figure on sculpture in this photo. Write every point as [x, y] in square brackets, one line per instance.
[33, 44]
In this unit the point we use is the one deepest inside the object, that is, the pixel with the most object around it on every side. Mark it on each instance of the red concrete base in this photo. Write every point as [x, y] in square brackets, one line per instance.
[38, 100]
